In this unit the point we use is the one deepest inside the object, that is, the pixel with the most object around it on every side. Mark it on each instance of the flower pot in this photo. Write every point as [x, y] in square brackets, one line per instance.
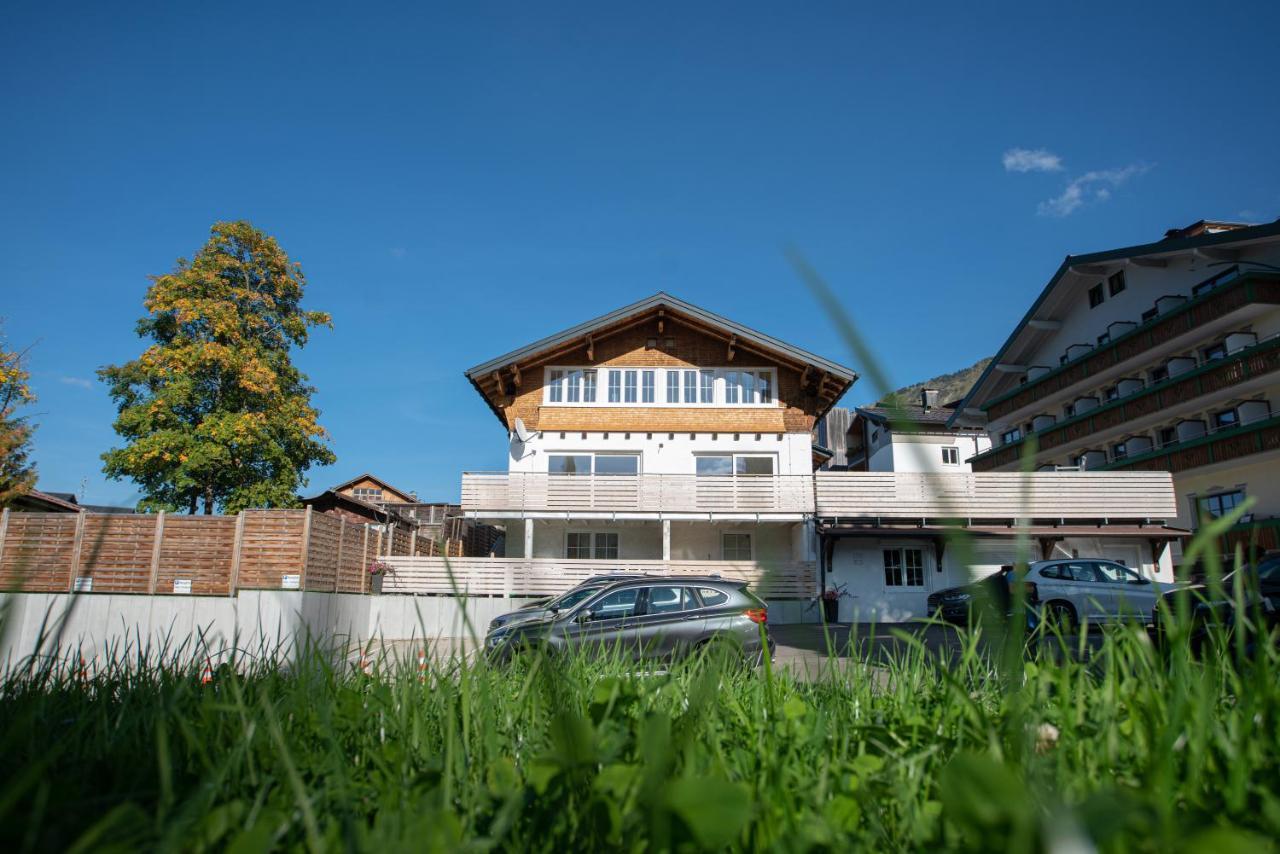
[831, 610]
[375, 582]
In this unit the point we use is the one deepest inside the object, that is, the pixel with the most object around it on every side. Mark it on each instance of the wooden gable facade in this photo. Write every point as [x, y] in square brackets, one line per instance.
[661, 335]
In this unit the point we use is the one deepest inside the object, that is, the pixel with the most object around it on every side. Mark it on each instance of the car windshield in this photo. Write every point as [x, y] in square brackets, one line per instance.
[571, 598]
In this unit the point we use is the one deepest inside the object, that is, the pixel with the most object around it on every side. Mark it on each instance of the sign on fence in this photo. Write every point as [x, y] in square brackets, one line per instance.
[83, 585]
[182, 585]
[290, 582]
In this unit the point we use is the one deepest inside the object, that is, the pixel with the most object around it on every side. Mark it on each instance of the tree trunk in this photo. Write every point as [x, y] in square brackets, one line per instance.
[208, 501]
[191, 510]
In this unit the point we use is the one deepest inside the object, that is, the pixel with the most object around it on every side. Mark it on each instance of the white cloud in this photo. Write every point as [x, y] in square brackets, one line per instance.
[1093, 186]
[79, 382]
[1028, 160]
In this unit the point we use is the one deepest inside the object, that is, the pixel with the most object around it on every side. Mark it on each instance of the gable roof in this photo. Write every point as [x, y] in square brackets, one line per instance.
[681, 310]
[1170, 245]
[366, 476]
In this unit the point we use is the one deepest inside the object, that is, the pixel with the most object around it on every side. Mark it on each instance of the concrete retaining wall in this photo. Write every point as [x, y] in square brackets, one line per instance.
[101, 627]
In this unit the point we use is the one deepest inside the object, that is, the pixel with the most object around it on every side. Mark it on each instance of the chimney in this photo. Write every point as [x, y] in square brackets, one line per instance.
[929, 398]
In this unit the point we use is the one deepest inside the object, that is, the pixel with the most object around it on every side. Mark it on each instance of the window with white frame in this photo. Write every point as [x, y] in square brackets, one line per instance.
[367, 493]
[735, 546]
[904, 568]
[591, 545]
[951, 456]
[734, 464]
[623, 386]
[593, 463]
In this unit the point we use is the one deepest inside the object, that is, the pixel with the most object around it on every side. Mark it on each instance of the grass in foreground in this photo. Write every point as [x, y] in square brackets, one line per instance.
[1134, 750]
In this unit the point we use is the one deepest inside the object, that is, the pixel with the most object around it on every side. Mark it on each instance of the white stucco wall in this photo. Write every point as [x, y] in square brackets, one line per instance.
[689, 540]
[859, 565]
[922, 452]
[666, 453]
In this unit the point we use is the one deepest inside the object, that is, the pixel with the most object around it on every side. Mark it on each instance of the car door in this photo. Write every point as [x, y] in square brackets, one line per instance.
[607, 622]
[1087, 591]
[1131, 595]
[669, 621]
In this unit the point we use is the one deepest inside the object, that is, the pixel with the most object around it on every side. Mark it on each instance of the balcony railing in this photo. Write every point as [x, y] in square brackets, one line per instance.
[995, 495]
[1211, 377]
[525, 492]
[1251, 287]
[474, 576]
[1221, 446]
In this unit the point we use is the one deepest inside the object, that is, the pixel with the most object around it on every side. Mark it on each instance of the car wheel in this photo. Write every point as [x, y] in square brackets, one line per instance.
[1062, 615]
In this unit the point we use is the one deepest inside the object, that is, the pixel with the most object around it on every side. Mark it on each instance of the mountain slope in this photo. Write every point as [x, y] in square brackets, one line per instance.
[951, 387]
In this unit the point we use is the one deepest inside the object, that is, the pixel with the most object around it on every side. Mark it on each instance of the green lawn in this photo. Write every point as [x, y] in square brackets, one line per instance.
[1133, 749]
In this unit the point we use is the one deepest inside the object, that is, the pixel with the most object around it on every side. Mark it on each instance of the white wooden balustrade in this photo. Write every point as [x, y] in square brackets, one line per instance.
[996, 495]
[474, 576]
[517, 492]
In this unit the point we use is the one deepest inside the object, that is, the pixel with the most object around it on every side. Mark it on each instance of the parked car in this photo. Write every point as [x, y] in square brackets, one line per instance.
[1066, 589]
[650, 618]
[1261, 596]
[540, 607]
[968, 601]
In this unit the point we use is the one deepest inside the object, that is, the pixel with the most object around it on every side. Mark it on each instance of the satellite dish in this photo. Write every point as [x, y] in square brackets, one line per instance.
[522, 432]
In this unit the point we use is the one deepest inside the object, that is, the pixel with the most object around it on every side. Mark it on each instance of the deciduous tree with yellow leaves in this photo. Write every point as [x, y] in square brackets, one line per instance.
[17, 472]
[214, 414]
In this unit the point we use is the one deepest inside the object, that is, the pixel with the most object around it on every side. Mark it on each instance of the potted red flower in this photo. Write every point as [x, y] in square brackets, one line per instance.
[377, 571]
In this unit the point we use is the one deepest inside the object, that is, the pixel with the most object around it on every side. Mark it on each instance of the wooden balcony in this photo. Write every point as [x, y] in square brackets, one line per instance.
[474, 576]
[1250, 288]
[1178, 392]
[995, 495]
[1219, 447]
[536, 493]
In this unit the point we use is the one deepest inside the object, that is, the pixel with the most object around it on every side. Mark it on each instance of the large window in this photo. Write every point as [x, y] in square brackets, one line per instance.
[1219, 504]
[904, 568]
[661, 387]
[367, 493]
[726, 464]
[591, 545]
[569, 464]
[735, 546]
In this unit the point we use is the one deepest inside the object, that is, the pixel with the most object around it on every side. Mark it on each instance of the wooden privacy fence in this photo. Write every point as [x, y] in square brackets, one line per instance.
[201, 555]
[543, 577]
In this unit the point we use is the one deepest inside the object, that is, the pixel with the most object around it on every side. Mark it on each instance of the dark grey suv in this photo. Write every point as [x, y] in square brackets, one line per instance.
[647, 618]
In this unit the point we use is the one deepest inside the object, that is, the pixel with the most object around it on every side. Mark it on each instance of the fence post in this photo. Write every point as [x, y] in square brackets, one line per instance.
[155, 553]
[342, 536]
[306, 547]
[76, 545]
[237, 545]
[4, 531]
[364, 559]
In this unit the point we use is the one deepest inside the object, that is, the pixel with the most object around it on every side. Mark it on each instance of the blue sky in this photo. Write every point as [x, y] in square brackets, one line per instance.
[457, 182]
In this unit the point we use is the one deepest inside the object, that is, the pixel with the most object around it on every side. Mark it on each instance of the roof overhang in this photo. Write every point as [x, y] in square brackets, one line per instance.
[1210, 245]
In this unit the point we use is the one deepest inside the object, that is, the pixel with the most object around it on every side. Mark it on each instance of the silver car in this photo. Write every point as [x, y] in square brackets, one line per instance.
[1074, 589]
[647, 618]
